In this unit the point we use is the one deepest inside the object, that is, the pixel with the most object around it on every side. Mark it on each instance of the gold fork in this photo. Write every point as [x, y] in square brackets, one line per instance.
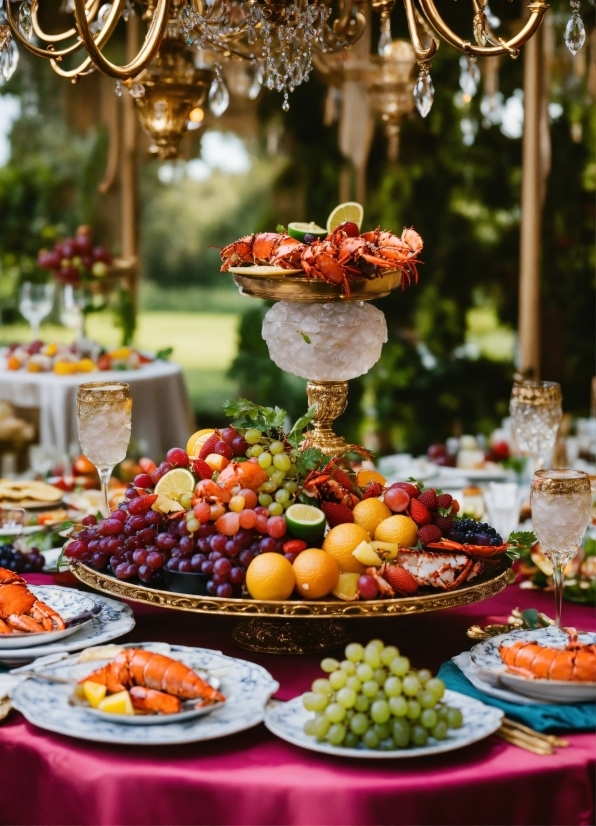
[526, 738]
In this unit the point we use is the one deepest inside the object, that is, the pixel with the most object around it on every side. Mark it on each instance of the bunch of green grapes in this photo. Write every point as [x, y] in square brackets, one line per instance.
[375, 699]
[277, 493]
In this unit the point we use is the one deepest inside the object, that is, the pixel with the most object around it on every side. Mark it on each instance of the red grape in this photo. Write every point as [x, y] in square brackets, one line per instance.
[397, 499]
[268, 545]
[140, 556]
[172, 564]
[120, 515]
[153, 518]
[350, 229]
[177, 457]
[90, 520]
[250, 498]
[239, 446]
[223, 449]
[112, 526]
[412, 490]
[211, 588]
[164, 541]
[204, 545]
[228, 434]
[75, 549]
[197, 561]
[367, 587]
[291, 558]
[276, 526]
[236, 576]
[143, 480]
[246, 557]
[132, 543]
[261, 523]
[218, 543]
[142, 504]
[156, 475]
[93, 545]
[155, 560]
[207, 567]
[224, 590]
[165, 467]
[222, 567]
[131, 493]
[185, 566]
[218, 579]
[233, 547]
[247, 518]
[145, 573]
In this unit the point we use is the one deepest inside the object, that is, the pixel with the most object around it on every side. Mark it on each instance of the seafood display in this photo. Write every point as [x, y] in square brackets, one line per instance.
[21, 611]
[575, 663]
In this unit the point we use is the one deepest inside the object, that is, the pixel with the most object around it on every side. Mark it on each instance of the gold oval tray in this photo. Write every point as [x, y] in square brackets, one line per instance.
[490, 583]
[315, 289]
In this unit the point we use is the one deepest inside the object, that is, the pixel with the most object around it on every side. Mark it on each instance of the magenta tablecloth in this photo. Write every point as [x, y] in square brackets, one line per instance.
[254, 778]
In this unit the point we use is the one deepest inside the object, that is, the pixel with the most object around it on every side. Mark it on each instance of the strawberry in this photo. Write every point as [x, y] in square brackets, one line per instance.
[372, 489]
[444, 500]
[400, 579]
[444, 523]
[412, 490]
[201, 469]
[336, 514]
[429, 498]
[209, 445]
[455, 506]
[419, 512]
[429, 533]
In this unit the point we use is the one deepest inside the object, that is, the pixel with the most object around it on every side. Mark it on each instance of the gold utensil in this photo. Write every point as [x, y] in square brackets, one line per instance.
[528, 744]
[5, 706]
[530, 619]
[549, 738]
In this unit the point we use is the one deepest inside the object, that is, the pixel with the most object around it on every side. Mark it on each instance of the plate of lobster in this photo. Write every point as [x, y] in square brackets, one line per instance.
[553, 665]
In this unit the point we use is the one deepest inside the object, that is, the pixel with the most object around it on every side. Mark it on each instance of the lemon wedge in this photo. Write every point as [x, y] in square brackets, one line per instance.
[175, 482]
[119, 703]
[350, 211]
[94, 692]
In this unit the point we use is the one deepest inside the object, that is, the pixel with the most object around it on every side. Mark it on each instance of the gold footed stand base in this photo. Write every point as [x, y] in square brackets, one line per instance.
[331, 399]
[290, 636]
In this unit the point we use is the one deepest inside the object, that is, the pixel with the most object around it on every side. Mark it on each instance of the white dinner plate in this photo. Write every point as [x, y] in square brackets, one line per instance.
[69, 603]
[245, 685]
[114, 620]
[287, 720]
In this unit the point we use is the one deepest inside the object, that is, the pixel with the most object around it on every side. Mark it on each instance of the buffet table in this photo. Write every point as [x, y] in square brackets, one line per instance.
[255, 778]
[161, 415]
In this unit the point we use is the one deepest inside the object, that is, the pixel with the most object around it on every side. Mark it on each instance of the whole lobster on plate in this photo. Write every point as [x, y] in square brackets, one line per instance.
[21, 611]
[576, 662]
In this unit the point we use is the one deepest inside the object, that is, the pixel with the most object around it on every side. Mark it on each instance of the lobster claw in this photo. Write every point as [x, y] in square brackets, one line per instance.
[476, 551]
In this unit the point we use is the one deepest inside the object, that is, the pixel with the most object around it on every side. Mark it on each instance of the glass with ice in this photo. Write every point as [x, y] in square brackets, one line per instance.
[535, 416]
[104, 423]
[560, 501]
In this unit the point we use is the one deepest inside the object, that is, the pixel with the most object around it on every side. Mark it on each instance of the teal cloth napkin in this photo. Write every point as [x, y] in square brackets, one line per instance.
[545, 718]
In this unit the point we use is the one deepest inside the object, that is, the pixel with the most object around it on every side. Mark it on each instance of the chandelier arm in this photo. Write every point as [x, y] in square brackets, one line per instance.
[85, 68]
[148, 51]
[422, 55]
[91, 10]
[345, 24]
[511, 47]
[50, 53]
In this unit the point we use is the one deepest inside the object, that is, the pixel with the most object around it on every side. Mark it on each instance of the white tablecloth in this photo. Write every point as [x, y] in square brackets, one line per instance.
[161, 412]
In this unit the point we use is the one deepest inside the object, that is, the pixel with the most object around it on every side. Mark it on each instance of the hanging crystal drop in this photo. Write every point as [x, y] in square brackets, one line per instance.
[118, 89]
[469, 77]
[257, 82]
[424, 93]
[10, 59]
[286, 104]
[137, 90]
[25, 21]
[385, 40]
[575, 33]
[219, 97]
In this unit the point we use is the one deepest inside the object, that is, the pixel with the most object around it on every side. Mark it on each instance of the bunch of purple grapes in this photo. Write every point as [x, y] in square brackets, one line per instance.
[19, 562]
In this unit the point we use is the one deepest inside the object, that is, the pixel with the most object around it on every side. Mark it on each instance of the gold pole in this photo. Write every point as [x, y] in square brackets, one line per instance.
[128, 169]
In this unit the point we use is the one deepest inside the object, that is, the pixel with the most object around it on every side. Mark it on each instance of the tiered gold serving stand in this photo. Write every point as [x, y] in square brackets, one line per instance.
[305, 626]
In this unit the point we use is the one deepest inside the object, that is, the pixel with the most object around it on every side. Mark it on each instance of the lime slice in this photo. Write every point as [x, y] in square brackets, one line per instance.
[350, 211]
[177, 481]
[298, 230]
[306, 522]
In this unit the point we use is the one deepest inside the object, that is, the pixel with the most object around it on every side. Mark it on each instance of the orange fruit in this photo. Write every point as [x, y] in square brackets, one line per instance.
[398, 528]
[341, 541]
[369, 513]
[316, 572]
[83, 466]
[270, 576]
[363, 477]
[197, 440]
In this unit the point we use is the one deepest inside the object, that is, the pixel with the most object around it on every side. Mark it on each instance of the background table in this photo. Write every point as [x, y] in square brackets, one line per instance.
[161, 414]
[255, 778]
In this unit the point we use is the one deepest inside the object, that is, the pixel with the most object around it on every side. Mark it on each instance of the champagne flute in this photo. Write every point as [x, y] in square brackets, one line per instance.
[35, 303]
[561, 501]
[73, 301]
[104, 422]
[535, 416]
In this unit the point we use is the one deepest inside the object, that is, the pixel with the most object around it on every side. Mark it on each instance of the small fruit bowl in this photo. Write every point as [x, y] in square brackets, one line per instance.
[186, 583]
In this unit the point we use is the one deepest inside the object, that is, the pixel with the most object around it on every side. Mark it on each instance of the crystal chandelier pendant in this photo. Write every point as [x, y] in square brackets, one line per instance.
[9, 59]
[136, 91]
[575, 33]
[25, 20]
[118, 89]
[219, 97]
[424, 92]
[385, 40]
[469, 78]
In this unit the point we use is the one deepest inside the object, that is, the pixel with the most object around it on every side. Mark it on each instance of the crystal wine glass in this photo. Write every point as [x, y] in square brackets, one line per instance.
[104, 422]
[560, 501]
[536, 413]
[73, 301]
[35, 303]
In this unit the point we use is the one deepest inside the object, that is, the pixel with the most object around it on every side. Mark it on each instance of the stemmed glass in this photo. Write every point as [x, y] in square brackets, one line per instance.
[13, 520]
[35, 303]
[73, 301]
[560, 501]
[104, 422]
[536, 413]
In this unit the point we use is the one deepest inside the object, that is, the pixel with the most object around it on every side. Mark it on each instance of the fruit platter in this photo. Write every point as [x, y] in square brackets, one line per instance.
[68, 360]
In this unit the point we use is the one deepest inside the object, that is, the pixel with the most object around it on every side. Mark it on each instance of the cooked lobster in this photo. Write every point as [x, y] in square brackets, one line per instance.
[21, 611]
[475, 551]
[161, 678]
[576, 662]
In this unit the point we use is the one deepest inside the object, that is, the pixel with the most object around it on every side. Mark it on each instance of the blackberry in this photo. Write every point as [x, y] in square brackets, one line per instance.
[470, 532]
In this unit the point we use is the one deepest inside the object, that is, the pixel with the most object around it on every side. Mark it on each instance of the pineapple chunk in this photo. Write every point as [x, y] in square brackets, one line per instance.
[346, 587]
[388, 550]
[119, 703]
[367, 555]
[163, 504]
[94, 692]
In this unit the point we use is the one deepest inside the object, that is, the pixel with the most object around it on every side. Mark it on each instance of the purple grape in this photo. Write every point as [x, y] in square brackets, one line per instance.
[153, 518]
[222, 567]
[172, 564]
[207, 567]
[224, 590]
[211, 587]
[187, 544]
[99, 560]
[174, 529]
[119, 515]
[218, 543]
[232, 548]
[206, 529]
[215, 555]
[94, 545]
[236, 576]
[217, 579]
[121, 570]
[114, 544]
[155, 560]
[197, 561]
[177, 553]
[183, 528]
[246, 557]
[140, 556]
[137, 523]
[204, 545]
[268, 545]
[145, 573]
[131, 493]
[132, 543]
[165, 541]
[309, 238]
[185, 566]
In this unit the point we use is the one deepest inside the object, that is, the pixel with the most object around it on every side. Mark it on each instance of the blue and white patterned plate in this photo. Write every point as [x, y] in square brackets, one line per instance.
[114, 620]
[246, 686]
[68, 604]
[287, 720]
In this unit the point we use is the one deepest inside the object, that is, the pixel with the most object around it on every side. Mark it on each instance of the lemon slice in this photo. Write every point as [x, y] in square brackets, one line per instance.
[350, 211]
[298, 230]
[197, 440]
[306, 522]
[177, 481]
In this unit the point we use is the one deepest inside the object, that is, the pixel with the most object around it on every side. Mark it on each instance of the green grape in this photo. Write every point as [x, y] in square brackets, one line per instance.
[376, 644]
[265, 499]
[414, 710]
[382, 730]
[348, 666]
[439, 732]
[268, 487]
[293, 471]
[354, 652]
[264, 460]
[310, 727]
[351, 740]
[335, 713]
[411, 685]
[362, 703]
[400, 731]
[270, 471]
[257, 450]
[314, 702]
[338, 679]
[276, 447]
[424, 675]
[399, 666]
[193, 525]
[370, 688]
[386, 744]
[442, 712]
[380, 675]
[380, 695]
[278, 476]
[398, 706]
[329, 665]
[346, 697]
[281, 461]
[320, 726]
[349, 714]
[427, 699]
[291, 487]
[282, 496]
[322, 686]
[389, 653]
[372, 656]
[371, 739]
[392, 686]
[248, 452]
[436, 686]
[429, 718]
[275, 509]
[336, 734]
[419, 735]
[185, 500]
[354, 682]
[379, 711]
[454, 718]
[359, 724]
[252, 435]
[364, 672]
